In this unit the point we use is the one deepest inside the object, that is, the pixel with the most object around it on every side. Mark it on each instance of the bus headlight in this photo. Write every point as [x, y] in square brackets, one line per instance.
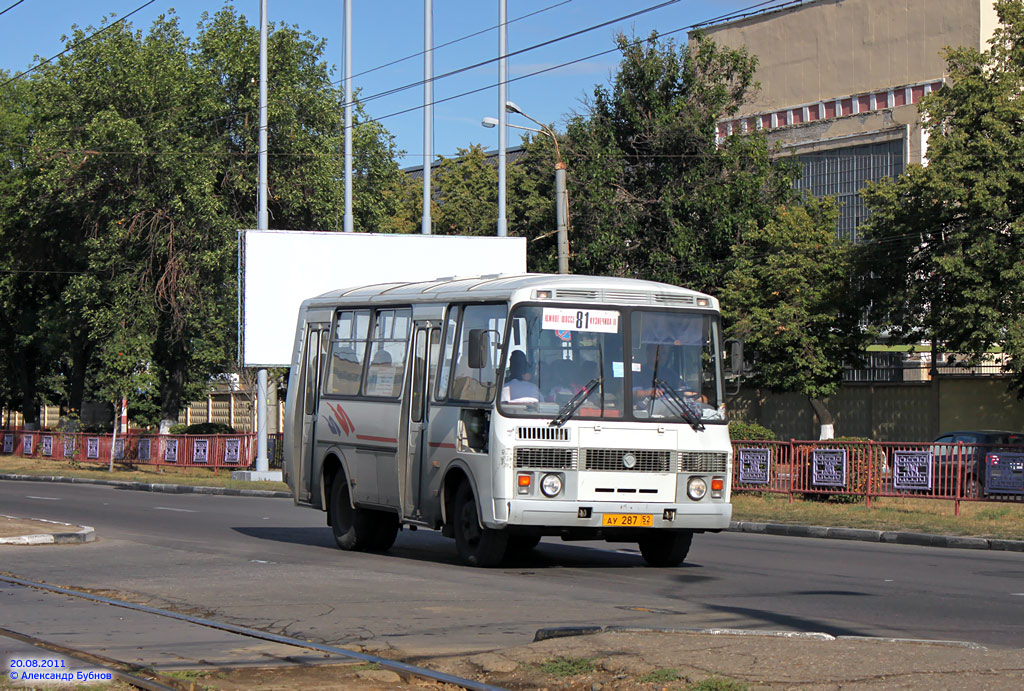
[696, 488]
[551, 485]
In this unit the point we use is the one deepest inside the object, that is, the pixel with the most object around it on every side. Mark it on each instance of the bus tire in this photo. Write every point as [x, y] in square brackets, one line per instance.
[665, 548]
[355, 530]
[477, 546]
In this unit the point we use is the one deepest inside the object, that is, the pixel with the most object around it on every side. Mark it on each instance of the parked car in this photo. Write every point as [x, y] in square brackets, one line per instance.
[967, 450]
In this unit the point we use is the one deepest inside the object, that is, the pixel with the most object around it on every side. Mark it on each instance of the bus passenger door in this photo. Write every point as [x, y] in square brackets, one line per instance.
[425, 347]
[317, 336]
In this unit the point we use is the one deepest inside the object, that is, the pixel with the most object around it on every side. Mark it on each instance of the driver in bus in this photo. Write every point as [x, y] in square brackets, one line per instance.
[519, 386]
[658, 360]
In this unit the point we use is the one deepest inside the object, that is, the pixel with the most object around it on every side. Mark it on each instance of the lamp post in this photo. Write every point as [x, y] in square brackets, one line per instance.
[561, 195]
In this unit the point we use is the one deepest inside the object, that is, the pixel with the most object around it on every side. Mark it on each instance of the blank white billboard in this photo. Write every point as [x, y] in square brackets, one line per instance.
[281, 268]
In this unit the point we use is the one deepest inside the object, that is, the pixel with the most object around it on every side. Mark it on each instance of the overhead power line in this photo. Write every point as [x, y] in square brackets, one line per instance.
[744, 11]
[108, 27]
[740, 12]
[5, 10]
[514, 53]
[456, 40]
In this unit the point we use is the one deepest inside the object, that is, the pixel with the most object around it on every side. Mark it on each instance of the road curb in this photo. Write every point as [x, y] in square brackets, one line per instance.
[151, 486]
[887, 536]
[569, 631]
[83, 534]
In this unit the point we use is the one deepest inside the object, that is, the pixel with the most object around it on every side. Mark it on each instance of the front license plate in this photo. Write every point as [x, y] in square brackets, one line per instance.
[628, 520]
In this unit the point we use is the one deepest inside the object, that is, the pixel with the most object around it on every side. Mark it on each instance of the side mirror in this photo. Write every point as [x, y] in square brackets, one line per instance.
[478, 347]
[736, 358]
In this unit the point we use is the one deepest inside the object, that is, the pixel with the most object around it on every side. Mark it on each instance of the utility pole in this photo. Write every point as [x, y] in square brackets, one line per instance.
[502, 115]
[262, 223]
[428, 109]
[348, 116]
[562, 216]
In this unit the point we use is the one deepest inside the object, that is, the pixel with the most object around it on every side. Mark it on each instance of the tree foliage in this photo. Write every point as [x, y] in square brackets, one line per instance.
[788, 297]
[945, 242]
[467, 194]
[131, 166]
[653, 194]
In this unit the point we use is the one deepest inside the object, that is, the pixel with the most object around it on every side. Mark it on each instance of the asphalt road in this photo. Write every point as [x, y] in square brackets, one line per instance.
[267, 564]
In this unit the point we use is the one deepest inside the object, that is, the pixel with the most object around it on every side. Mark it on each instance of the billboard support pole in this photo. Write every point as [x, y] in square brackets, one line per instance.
[262, 471]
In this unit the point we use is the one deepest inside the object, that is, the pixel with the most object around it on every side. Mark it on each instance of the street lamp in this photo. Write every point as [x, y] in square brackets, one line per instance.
[561, 196]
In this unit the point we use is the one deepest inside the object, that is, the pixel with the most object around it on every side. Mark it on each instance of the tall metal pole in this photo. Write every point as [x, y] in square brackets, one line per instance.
[261, 212]
[502, 115]
[561, 217]
[428, 110]
[262, 223]
[348, 116]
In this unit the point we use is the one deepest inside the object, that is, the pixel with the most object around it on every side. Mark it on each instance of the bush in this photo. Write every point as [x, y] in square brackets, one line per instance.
[750, 431]
[178, 428]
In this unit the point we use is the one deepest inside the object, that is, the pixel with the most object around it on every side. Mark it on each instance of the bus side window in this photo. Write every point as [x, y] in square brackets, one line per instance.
[345, 366]
[450, 329]
[387, 353]
[478, 384]
[309, 375]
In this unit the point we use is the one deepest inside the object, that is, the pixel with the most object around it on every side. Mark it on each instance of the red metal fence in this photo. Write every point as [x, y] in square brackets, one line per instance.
[869, 469]
[181, 450]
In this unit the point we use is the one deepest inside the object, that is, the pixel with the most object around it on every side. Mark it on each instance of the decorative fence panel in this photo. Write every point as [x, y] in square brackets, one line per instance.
[234, 451]
[869, 469]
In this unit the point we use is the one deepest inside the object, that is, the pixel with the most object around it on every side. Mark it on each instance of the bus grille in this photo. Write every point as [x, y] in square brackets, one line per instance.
[647, 460]
[543, 433]
[563, 459]
[702, 461]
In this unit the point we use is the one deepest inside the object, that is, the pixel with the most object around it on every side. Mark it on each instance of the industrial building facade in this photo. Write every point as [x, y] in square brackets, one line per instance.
[841, 80]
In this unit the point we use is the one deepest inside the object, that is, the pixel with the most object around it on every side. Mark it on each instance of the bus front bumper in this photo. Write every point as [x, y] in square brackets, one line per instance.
[703, 515]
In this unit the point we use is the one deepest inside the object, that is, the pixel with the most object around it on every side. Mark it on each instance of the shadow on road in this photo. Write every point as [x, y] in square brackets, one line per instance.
[315, 537]
[430, 546]
[777, 620]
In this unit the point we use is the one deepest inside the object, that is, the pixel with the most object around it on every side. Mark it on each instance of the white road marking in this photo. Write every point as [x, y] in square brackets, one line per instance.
[1018, 594]
[29, 496]
[167, 508]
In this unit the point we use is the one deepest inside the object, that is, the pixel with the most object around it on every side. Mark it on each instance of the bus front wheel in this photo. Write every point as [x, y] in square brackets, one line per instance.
[477, 546]
[665, 548]
[359, 530]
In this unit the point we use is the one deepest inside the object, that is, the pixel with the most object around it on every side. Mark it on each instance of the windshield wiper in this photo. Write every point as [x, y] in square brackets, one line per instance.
[680, 402]
[566, 411]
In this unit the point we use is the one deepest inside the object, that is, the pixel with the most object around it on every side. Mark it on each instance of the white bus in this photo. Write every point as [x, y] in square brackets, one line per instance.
[500, 409]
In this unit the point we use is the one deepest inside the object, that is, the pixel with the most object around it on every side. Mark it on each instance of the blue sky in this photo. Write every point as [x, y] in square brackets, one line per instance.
[387, 30]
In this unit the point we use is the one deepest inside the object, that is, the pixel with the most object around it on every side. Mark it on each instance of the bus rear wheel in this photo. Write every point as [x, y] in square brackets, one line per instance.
[359, 530]
[477, 546]
[665, 548]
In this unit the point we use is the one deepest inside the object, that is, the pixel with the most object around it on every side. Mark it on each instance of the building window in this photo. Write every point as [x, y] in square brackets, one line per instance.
[843, 172]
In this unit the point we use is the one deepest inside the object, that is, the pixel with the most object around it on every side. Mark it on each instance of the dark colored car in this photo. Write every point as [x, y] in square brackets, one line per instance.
[967, 450]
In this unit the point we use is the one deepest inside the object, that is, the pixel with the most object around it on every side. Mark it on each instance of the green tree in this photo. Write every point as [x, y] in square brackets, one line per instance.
[34, 266]
[652, 193]
[138, 167]
[788, 296]
[944, 245]
[465, 193]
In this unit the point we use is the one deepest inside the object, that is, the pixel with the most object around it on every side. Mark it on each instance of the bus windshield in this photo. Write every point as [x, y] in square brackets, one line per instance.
[637, 363]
